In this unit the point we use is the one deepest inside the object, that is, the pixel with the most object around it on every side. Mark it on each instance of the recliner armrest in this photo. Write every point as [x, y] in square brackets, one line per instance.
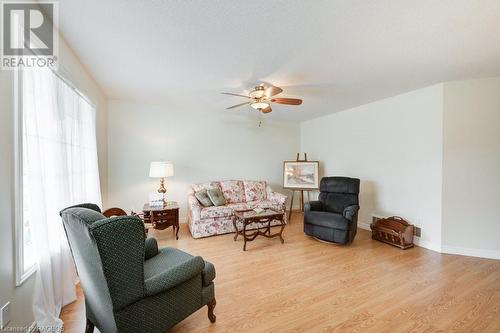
[174, 276]
[313, 205]
[350, 212]
[150, 248]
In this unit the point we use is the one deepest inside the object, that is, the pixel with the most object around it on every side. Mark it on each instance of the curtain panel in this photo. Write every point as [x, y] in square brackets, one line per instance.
[59, 169]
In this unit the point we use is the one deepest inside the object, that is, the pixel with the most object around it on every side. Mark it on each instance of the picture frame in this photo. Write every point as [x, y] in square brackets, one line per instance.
[301, 175]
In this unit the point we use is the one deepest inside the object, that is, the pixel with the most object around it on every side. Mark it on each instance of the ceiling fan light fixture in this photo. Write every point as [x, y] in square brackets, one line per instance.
[259, 105]
[261, 98]
[258, 92]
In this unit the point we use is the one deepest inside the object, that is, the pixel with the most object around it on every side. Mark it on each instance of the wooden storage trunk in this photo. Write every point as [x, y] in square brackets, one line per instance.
[393, 230]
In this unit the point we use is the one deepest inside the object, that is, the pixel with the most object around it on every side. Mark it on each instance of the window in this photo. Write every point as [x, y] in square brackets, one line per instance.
[57, 163]
[28, 242]
[25, 254]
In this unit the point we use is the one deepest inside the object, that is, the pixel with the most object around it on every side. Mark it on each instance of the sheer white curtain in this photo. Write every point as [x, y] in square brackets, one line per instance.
[60, 169]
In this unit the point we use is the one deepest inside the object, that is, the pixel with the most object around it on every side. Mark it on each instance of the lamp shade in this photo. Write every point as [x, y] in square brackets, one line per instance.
[161, 169]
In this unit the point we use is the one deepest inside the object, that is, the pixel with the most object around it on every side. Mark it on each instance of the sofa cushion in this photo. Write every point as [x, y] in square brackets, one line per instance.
[339, 185]
[264, 204]
[216, 196]
[233, 191]
[205, 186]
[336, 202]
[216, 211]
[254, 190]
[241, 206]
[326, 219]
[336, 193]
[203, 198]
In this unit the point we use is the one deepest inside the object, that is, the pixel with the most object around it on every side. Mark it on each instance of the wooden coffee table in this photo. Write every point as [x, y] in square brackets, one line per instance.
[248, 217]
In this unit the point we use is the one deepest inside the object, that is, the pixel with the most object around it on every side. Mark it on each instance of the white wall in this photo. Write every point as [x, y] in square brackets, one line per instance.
[203, 146]
[394, 146]
[19, 297]
[70, 67]
[471, 167]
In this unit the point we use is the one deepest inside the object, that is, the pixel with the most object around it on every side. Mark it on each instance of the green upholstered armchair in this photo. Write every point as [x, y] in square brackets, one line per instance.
[129, 284]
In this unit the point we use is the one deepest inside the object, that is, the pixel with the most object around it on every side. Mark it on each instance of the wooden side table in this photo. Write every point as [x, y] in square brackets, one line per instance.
[163, 217]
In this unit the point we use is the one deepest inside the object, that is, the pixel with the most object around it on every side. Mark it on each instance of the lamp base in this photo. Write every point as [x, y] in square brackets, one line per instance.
[162, 189]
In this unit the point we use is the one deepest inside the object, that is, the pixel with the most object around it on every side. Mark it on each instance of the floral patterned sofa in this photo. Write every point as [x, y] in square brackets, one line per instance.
[240, 195]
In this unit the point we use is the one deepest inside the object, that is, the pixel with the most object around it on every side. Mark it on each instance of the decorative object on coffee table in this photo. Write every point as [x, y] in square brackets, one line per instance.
[300, 175]
[264, 217]
[163, 217]
[161, 169]
[393, 230]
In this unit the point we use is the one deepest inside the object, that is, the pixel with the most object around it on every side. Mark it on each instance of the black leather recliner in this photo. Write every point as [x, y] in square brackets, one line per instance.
[334, 217]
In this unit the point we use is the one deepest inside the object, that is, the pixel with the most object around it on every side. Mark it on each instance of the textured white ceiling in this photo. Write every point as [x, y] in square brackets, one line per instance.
[334, 54]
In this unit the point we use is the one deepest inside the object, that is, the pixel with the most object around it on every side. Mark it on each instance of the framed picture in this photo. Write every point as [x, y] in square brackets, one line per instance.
[301, 175]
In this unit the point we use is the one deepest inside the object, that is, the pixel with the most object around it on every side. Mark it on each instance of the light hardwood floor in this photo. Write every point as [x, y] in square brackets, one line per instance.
[309, 286]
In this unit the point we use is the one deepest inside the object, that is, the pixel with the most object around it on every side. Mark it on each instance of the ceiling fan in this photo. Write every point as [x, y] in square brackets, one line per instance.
[261, 98]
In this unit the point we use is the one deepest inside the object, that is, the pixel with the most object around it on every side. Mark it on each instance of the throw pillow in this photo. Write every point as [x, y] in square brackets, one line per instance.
[215, 194]
[233, 190]
[203, 198]
[254, 190]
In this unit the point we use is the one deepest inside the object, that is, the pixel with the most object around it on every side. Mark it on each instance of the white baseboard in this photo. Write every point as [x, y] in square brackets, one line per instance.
[471, 252]
[365, 226]
[426, 244]
[463, 251]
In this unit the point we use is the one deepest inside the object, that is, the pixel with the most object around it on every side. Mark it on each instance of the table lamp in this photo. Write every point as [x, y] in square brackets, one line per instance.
[161, 170]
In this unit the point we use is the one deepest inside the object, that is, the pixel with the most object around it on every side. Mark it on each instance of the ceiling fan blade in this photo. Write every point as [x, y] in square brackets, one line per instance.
[271, 91]
[289, 101]
[237, 105]
[226, 93]
[266, 110]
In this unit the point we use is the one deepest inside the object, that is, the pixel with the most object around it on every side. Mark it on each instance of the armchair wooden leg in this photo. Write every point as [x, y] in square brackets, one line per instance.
[211, 307]
[89, 328]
